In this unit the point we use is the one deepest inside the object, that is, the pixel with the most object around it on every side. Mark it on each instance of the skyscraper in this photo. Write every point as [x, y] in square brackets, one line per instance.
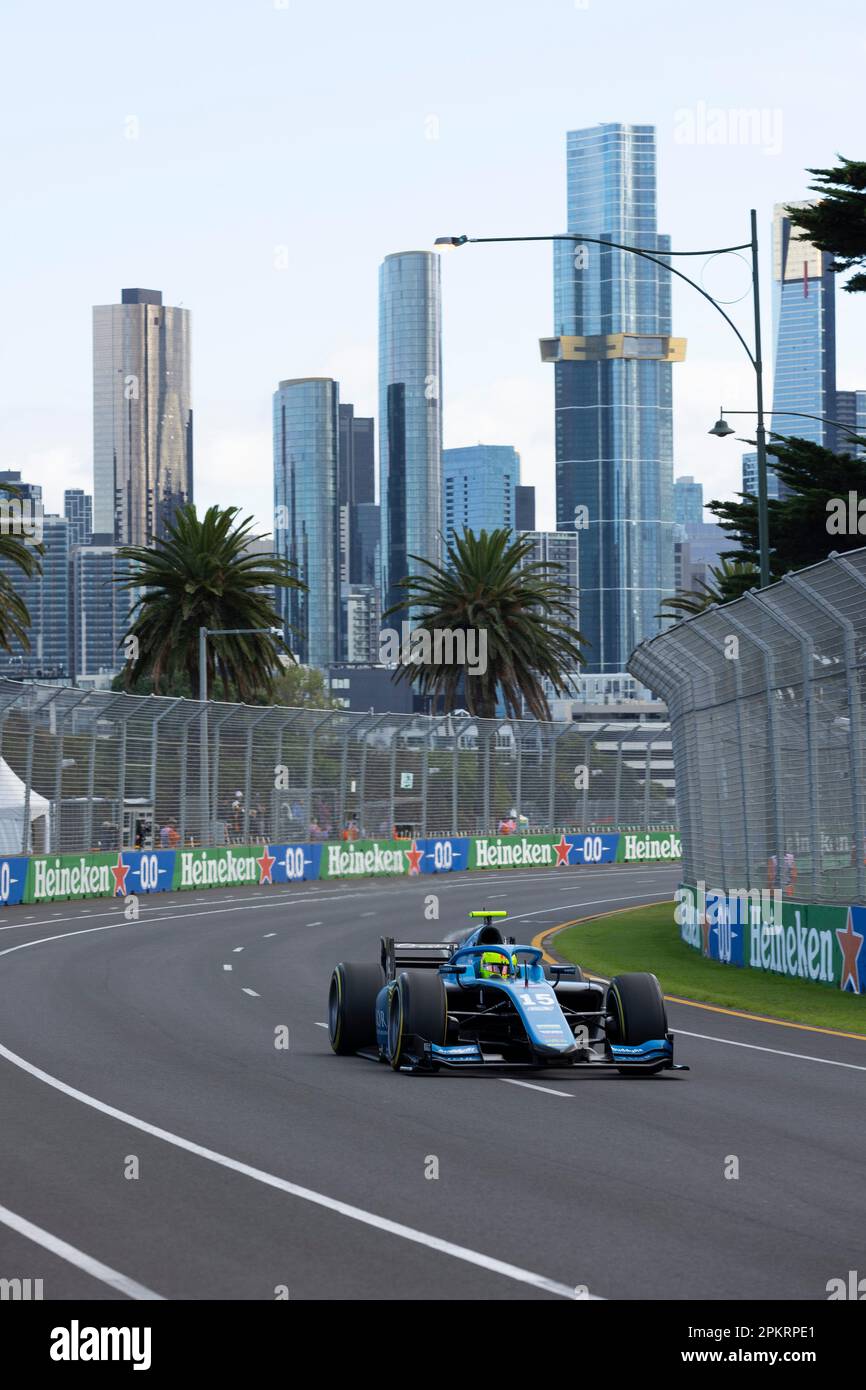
[688, 501]
[479, 483]
[410, 413]
[804, 333]
[142, 416]
[356, 487]
[46, 595]
[851, 411]
[612, 355]
[562, 549]
[524, 508]
[78, 510]
[306, 514]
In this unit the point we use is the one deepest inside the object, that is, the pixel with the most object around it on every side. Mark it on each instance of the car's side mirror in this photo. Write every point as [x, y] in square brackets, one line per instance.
[559, 970]
[453, 969]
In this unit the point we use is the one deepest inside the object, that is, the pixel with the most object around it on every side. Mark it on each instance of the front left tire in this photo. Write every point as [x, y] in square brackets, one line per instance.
[418, 1007]
[352, 1007]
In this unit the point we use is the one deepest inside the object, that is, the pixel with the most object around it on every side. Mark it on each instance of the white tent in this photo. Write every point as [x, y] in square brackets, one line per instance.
[12, 799]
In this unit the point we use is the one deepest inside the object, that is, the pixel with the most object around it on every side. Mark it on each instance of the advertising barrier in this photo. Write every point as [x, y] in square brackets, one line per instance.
[762, 930]
[47, 878]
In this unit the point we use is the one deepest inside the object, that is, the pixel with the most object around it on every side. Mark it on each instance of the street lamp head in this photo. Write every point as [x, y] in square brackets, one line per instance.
[721, 429]
[442, 243]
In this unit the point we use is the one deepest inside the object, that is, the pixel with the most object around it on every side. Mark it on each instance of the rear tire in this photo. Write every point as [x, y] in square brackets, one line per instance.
[636, 1002]
[352, 1007]
[418, 1007]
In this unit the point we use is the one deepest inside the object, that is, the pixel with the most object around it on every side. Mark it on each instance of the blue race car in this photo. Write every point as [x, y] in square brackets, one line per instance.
[488, 1002]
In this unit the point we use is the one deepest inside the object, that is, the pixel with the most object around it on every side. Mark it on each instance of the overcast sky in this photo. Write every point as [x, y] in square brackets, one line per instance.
[256, 159]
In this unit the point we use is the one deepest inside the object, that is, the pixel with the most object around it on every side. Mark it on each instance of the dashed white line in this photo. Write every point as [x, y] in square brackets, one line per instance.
[531, 1086]
[104, 1273]
[267, 934]
[314, 924]
[227, 967]
[238, 948]
[252, 992]
[321, 1025]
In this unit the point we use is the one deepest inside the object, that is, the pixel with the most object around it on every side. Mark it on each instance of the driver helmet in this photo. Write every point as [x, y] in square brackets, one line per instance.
[493, 964]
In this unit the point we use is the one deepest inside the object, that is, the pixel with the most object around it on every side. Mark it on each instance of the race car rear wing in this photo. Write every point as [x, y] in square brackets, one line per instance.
[413, 955]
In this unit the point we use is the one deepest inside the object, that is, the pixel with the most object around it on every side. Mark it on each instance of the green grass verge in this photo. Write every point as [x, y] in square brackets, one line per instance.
[647, 938]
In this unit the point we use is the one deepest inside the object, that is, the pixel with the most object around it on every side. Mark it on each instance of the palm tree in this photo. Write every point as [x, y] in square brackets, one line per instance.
[489, 585]
[14, 613]
[729, 573]
[202, 574]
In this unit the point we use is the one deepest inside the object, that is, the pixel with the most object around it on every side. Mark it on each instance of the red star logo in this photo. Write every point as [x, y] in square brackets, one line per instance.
[563, 850]
[266, 866]
[414, 855]
[705, 934]
[120, 870]
[850, 942]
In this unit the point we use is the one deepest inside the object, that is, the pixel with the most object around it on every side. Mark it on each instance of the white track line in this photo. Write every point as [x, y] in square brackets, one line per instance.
[305, 1194]
[227, 967]
[777, 1051]
[238, 948]
[104, 1273]
[252, 992]
[531, 1086]
[321, 1025]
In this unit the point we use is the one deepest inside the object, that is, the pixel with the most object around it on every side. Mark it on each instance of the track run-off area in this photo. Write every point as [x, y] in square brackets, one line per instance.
[174, 1125]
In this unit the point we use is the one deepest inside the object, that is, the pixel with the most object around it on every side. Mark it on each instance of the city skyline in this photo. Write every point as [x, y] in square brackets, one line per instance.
[282, 284]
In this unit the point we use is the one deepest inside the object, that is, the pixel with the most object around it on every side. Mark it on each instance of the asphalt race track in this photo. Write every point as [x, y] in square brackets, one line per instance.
[149, 1047]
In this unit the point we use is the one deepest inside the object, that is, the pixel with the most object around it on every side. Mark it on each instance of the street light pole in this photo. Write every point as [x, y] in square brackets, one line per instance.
[754, 357]
[760, 431]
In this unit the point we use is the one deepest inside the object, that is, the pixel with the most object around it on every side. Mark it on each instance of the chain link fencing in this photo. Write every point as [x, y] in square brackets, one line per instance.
[85, 770]
[765, 700]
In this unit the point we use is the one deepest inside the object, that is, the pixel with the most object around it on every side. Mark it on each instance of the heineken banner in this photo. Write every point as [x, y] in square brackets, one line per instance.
[654, 846]
[763, 930]
[120, 874]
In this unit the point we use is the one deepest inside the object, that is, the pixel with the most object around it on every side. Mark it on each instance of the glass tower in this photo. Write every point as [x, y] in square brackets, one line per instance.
[613, 355]
[688, 501]
[142, 416]
[804, 333]
[479, 484]
[306, 514]
[410, 414]
[78, 510]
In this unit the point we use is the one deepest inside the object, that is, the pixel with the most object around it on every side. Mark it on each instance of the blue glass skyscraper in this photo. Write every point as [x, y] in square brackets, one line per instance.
[479, 484]
[306, 514]
[410, 413]
[612, 355]
[804, 333]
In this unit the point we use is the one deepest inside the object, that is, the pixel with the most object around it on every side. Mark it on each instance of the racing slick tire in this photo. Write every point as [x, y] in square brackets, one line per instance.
[636, 1004]
[418, 1007]
[352, 1007]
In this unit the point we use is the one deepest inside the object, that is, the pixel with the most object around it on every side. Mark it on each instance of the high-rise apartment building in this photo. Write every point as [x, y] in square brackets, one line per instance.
[78, 510]
[613, 352]
[688, 501]
[478, 484]
[46, 594]
[524, 508]
[142, 416]
[307, 514]
[410, 414]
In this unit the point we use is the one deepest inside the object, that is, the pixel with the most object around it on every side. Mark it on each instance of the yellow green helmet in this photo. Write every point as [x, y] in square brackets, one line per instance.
[492, 964]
